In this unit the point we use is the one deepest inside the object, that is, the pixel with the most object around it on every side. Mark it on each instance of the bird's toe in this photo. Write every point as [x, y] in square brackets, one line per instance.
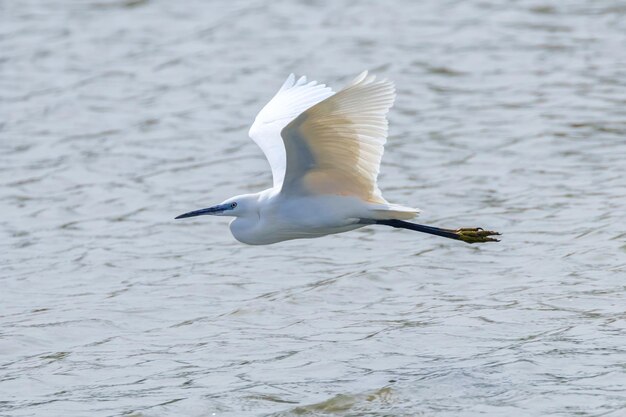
[476, 235]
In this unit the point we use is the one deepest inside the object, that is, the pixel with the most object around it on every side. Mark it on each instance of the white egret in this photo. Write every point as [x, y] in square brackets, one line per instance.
[324, 149]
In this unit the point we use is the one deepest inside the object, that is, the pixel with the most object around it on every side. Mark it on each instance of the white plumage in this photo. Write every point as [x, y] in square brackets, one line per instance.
[335, 146]
[324, 149]
[293, 98]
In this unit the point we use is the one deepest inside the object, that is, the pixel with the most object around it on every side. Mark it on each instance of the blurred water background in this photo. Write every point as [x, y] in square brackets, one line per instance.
[117, 115]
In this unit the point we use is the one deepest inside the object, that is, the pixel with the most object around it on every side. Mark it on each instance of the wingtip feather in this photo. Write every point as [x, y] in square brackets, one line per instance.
[289, 82]
[358, 79]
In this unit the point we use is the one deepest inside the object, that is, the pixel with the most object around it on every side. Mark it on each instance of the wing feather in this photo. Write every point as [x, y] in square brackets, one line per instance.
[336, 146]
[293, 98]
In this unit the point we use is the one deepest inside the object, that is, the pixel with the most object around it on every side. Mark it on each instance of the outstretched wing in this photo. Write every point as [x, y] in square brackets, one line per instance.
[293, 98]
[336, 146]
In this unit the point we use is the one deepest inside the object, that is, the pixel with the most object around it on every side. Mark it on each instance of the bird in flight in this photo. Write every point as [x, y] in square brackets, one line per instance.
[324, 149]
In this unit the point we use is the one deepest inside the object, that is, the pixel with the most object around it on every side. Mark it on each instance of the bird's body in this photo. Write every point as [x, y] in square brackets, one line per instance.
[325, 150]
[280, 218]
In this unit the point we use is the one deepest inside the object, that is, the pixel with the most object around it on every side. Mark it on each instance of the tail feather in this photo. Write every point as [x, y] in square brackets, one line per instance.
[393, 212]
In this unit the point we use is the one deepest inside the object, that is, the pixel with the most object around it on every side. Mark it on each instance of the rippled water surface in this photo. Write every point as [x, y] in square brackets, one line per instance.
[117, 115]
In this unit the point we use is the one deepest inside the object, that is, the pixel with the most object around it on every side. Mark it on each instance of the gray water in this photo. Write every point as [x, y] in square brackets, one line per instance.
[117, 115]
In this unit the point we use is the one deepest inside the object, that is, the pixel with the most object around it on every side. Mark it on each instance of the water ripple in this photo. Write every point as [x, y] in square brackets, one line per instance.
[118, 115]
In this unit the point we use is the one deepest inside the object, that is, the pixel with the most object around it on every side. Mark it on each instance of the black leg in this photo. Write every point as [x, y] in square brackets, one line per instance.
[468, 235]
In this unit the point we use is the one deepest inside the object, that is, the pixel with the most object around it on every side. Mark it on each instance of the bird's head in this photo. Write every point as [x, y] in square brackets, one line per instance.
[236, 207]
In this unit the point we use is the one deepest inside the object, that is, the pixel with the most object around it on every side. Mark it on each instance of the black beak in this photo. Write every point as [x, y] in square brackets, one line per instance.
[211, 210]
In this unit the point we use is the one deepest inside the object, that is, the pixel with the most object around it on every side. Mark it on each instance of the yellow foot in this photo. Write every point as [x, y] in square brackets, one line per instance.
[476, 235]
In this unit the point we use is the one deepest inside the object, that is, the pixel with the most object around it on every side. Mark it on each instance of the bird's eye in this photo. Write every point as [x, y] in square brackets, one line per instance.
[233, 205]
